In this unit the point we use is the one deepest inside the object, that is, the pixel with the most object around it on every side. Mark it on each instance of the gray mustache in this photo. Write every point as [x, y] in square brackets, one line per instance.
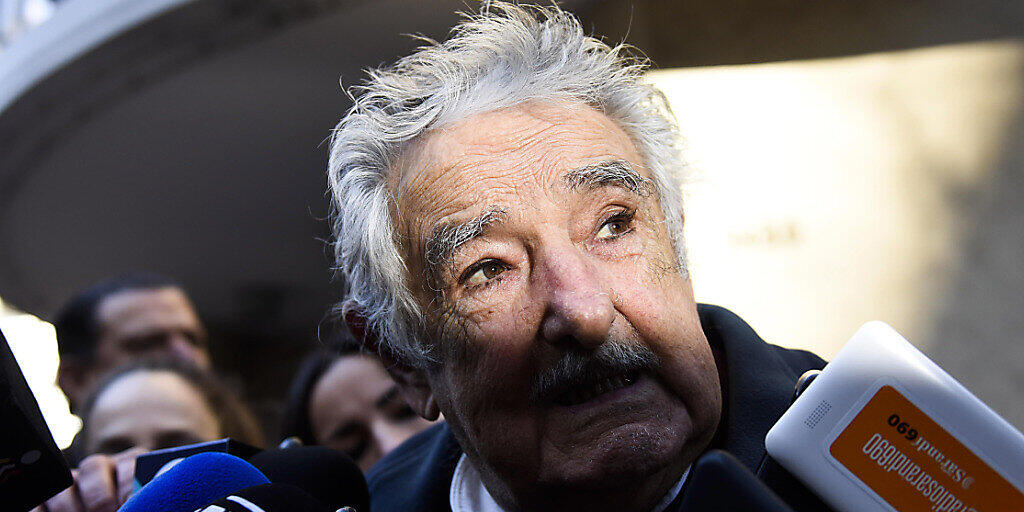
[578, 368]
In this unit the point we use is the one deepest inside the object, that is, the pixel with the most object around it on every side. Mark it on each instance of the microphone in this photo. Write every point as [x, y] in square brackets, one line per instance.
[32, 469]
[149, 465]
[267, 498]
[194, 482]
[882, 427]
[718, 481]
[328, 475]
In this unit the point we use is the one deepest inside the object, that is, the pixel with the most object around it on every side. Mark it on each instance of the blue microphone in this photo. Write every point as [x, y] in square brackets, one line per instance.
[194, 482]
[268, 498]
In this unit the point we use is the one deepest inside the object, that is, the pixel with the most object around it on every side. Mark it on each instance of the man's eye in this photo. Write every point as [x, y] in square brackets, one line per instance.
[483, 272]
[615, 227]
[116, 445]
[143, 343]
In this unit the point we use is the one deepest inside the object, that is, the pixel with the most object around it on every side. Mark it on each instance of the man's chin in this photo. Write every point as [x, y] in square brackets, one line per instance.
[634, 432]
[630, 454]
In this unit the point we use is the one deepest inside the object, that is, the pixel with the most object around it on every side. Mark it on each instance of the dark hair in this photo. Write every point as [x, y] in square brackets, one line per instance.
[233, 417]
[78, 328]
[295, 418]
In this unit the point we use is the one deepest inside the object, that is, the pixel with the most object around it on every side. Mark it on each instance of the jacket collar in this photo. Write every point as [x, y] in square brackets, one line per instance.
[757, 387]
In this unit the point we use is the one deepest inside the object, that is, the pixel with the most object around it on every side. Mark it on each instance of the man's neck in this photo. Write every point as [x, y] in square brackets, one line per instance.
[630, 496]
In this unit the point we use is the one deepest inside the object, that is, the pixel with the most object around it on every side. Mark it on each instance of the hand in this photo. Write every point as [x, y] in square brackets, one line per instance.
[102, 483]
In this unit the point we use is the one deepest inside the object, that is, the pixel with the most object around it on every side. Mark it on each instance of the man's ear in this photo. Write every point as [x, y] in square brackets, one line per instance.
[412, 382]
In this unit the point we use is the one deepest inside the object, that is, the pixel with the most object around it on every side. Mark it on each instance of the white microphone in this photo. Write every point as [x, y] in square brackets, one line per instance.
[884, 428]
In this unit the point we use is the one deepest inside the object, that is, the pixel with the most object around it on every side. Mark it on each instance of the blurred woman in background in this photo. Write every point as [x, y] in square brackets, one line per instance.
[345, 400]
[142, 407]
[162, 404]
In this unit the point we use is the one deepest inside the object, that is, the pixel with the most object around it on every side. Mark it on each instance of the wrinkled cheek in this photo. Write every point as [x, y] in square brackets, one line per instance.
[644, 304]
[493, 361]
[492, 375]
[664, 316]
[491, 405]
[690, 373]
[502, 330]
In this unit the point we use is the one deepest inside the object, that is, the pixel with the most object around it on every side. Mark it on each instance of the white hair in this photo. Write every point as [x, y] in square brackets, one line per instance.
[504, 56]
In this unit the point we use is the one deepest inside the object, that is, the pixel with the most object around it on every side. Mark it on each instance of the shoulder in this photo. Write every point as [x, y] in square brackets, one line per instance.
[417, 475]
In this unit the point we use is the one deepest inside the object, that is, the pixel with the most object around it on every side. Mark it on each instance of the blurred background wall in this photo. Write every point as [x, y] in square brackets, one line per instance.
[887, 186]
[850, 161]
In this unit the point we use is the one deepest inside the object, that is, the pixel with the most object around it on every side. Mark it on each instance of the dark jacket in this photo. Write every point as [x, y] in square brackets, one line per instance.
[758, 387]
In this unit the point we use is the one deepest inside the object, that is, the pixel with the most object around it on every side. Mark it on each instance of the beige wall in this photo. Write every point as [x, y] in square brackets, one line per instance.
[888, 186]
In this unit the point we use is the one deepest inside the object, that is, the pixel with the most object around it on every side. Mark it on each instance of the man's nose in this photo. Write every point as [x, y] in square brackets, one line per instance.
[579, 307]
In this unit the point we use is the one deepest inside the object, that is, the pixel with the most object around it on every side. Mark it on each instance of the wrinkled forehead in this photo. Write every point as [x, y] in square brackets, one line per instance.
[501, 159]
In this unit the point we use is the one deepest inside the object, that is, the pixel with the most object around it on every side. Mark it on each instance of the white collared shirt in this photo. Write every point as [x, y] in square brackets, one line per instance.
[468, 493]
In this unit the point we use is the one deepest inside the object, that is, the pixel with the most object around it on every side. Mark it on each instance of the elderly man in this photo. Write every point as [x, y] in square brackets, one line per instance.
[509, 225]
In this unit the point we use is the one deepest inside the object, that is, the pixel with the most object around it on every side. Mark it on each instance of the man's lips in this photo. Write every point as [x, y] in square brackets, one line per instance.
[591, 391]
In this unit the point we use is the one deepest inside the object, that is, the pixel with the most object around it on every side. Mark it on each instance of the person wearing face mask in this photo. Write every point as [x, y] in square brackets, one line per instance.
[345, 400]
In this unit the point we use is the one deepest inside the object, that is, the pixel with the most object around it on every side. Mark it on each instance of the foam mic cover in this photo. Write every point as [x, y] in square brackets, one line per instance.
[267, 498]
[718, 481]
[194, 482]
[32, 469]
[328, 475]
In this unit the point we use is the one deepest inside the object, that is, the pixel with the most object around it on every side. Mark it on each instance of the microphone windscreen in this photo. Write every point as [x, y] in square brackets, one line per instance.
[328, 475]
[267, 498]
[194, 482]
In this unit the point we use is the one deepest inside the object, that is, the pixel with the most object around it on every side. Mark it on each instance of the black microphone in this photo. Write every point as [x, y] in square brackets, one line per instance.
[267, 498]
[720, 482]
[148, 465]
[32, 469]
[328, 475]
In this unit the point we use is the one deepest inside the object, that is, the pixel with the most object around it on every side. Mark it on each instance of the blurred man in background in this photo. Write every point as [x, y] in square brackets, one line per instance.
[122, 320]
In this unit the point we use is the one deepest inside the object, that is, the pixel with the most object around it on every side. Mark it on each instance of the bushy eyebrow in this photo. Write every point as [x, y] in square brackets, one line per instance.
[445, 239]
[614, 173]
